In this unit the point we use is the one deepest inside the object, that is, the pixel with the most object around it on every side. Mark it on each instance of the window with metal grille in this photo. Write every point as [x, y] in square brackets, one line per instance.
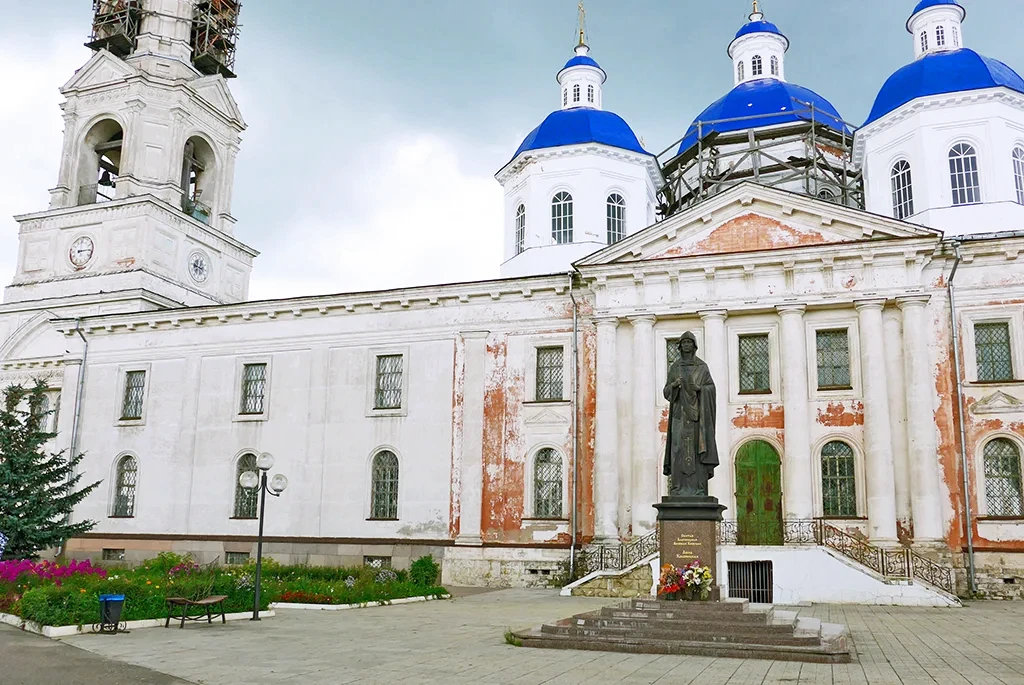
[124, 495]
[520, 229]
[39, 411]
[924, 41]
[547, 484]
[561, 218]
[113, 554]
[775, 65]
[755, 364]
[963, 174]
[992, 350]
[254, 385]
[838, 482]
[940, 36]
[384, 486]
[576, 93]
[549, 374]
[751, 580]
[236, 558]
[1018, 173]
[833, 359]
[756, 66]
[134, 391]
[245, 498]
[902, 190]
[388, 385]
[377, 562]
[1002, 479]
[740, 75]
[616, 214]
[590, 93]
[671, 352]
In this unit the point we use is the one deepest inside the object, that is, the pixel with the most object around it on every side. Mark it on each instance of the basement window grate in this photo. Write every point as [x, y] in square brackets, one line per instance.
[751, 580]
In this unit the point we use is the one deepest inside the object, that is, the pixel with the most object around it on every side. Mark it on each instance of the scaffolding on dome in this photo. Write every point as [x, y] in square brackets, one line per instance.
[215, 36]
[803, 156]
[115, 26]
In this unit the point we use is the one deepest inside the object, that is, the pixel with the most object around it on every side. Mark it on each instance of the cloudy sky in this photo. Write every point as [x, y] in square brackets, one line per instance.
[375, 126]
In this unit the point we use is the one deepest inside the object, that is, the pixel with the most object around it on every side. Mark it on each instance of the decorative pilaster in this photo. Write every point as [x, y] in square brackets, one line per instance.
[716, 355]
[606, 481]
[472, 439]
[896, 385]
[646, 456]
[921, 444]
[881, 478]
[796, 464]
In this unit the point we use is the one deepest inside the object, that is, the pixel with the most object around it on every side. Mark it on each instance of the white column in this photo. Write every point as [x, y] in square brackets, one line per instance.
[606, 458]
[472, 439]
[897, 414]
[716, 355]
[881, 477]
[924, 469]
[646, 457]
[797, 490]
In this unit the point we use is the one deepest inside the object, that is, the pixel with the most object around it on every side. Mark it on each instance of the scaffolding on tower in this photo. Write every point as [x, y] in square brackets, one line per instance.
[804, 156]
[115, 26]
[215, 36]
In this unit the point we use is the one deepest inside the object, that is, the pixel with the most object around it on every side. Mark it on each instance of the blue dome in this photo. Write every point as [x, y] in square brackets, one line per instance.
[759, 27]
[582, 125]
[942, 72]
[762, 97]
[925, 4]
[582, 61]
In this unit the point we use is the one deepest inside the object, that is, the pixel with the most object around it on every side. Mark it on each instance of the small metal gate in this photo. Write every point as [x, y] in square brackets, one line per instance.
[751, 580]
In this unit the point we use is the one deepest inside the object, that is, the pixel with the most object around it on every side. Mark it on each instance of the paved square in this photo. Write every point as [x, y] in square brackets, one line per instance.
[461, 641]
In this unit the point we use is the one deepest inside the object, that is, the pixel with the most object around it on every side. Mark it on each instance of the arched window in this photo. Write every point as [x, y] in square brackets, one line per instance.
[39, 411]
[1018, 172]
[940, 36]
[963, 174]
[565, 97]
[384, 486]
[124, 495]
[245, 498]
[547, 484]
[902, 190]
[838, 483]
[740, 75]
[590, 93]
[561, 218]
[1002, 479]
[576, 93]
[924, 41]
[520, 228]
[827, 194]
[956, 37]
[775, 65]
[616, 218]
[756, 66]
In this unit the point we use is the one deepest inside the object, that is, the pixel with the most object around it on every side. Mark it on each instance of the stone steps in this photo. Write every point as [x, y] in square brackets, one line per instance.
[726, 629]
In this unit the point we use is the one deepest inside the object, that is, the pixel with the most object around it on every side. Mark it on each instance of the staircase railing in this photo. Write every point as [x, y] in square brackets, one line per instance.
[616, 557]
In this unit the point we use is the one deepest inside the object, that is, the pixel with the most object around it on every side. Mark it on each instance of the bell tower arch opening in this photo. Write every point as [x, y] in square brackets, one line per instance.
[99, 164]
[198, 179]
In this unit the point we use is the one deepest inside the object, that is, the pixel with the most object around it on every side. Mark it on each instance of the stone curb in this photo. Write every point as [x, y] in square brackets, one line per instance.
[362, 605]
[67, 631]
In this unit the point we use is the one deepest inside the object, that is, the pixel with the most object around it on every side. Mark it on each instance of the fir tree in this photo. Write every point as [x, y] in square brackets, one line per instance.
[37, 489]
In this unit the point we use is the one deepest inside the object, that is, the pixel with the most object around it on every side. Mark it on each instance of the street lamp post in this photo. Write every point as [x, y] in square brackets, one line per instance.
[275, 486]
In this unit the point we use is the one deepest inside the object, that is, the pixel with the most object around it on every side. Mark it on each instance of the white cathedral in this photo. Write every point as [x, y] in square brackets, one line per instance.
[855, 291]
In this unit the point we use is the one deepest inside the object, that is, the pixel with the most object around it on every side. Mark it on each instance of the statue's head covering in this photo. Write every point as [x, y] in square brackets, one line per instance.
[688, 336]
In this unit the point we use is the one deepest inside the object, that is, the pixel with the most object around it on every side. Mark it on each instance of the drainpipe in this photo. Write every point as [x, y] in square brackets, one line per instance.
[574, 373]
[972, 586]
[78, 414]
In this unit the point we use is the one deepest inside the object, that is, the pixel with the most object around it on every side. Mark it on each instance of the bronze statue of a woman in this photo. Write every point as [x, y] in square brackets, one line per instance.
[691, 453]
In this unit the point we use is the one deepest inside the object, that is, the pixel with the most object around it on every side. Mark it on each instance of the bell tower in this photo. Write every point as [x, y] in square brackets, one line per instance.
[142, 205]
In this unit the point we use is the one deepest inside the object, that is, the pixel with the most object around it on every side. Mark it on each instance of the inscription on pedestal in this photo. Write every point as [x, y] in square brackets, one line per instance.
[683, 542]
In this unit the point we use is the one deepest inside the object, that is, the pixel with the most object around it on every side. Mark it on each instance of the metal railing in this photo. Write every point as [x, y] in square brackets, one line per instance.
[616, 557]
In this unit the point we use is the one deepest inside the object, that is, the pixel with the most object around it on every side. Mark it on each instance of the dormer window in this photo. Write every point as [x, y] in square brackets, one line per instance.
[756, 66]
[576, 93]
[924, 41]
[940, 37]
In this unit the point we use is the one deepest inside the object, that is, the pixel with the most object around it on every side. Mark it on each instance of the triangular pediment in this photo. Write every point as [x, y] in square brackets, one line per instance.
[103, 68]
[997, 403]
[214, 90]
[753, 218]
[547, 417]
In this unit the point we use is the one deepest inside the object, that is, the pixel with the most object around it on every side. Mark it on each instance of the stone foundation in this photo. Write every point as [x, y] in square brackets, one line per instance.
[630, 584]
[502, 566]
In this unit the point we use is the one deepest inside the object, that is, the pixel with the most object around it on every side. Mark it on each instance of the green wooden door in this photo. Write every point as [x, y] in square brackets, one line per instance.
[758, 495]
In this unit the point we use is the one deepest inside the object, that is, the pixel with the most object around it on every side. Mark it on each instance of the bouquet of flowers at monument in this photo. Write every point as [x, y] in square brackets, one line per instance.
[692, 582]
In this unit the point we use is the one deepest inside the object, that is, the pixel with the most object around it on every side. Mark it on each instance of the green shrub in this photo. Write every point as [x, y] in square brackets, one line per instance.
[424, 571]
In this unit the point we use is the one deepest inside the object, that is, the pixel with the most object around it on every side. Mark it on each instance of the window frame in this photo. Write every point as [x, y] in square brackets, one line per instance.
[902, 195]
[817, 363]
[538, 343]
[564, 200]
[964, 175]
[618, 208]
[122, 382]
[575, 93]
[924, 40]
[371, 482]
[115, 486]
[1009, 352]
[769, 326]
[859, 474]
[759, 391]
[537, 375]
[240, 364]
[775, 65]
[236, 465]
[981, 475]
[852, 456]
[519, 224]
[940, 36]
[956, 36]
[530, 499]
[1017, 158]
[741, 71]
[1008, 314]
[371, 379]
[590, 93]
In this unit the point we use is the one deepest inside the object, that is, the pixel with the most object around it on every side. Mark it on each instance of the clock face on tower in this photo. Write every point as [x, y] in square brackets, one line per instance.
[198, 267]
[81, 251]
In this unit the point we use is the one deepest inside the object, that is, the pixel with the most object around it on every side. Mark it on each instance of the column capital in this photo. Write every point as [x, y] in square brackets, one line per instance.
[912, 301]
[605, 320]
[474, 335]
[642, 318]
[714, 314]
[877, 303]
[791, 309]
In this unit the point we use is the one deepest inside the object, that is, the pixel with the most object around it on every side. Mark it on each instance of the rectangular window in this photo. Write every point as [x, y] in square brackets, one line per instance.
[755, 364]
[254, 385]
[671, 352]
[833, 360]
[377, 562]
[992, 347]
[134, 391]
[113, 554]
[388, 385]
[236, 558]
[549, 374]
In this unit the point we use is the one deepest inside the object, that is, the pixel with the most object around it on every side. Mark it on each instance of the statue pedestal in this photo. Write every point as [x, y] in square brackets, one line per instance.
[687, 531]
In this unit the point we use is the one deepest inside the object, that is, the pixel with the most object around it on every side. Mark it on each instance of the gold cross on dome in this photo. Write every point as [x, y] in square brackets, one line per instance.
[757, 10]
[583, 20]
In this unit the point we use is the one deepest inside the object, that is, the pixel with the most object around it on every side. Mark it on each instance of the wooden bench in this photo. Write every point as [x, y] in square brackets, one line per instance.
[208, 602]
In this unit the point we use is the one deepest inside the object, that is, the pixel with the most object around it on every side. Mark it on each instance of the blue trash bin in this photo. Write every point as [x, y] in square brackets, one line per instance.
[110, 612]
